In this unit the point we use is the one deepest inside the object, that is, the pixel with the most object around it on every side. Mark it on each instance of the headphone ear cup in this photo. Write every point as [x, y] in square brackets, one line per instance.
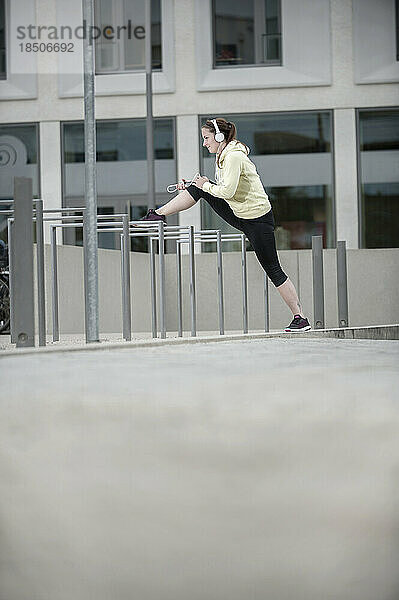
[219, 137]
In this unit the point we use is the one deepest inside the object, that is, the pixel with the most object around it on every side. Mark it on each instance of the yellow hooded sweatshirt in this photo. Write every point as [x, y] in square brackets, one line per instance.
[239, 183]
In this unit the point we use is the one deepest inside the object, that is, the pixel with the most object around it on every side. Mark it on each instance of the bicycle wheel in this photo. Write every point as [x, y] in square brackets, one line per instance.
[4, 306]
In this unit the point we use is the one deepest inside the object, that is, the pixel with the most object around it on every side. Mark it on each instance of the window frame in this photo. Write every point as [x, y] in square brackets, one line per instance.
[361, 223]
[67, 233]
[36, 124]
[259, 13]
[304, 65]
[118, 10]
[5, 8]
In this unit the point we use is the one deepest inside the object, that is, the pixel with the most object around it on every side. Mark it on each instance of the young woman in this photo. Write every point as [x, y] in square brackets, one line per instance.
[239, 198]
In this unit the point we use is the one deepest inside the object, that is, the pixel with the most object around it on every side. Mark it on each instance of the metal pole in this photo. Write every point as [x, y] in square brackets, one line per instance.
[192, 282]
[24, 312]
[220, 280]
[127, 308]
[318, 281]
[266, 293]
[123, 291]
[161, 236]
[153, 288]
[10, 228]
[179, 291]
[244, 285]
[41, 292]
[56, 327]
[149, 119]
[342, 285]
[91, 245]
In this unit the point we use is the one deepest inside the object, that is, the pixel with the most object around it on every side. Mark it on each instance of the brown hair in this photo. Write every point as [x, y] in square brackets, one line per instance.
[226, 127]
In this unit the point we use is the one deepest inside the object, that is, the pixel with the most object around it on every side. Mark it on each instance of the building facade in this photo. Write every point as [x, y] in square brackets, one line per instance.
[312, 86]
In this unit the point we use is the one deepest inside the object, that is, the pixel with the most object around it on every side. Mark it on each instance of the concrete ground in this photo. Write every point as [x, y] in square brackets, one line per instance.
[221, 471]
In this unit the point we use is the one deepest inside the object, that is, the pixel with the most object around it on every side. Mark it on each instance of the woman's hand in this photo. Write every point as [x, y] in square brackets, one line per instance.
[199, 181]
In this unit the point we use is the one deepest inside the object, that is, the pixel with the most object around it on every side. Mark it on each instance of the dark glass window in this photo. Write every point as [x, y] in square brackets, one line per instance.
[121, 170]
[293, 156]
[246, 33]
[125, 51]
[19, 146]
[397, 27]
[3, 55]
[379, 178]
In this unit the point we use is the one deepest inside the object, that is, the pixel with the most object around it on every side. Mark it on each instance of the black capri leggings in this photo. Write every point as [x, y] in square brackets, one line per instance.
[259, 231]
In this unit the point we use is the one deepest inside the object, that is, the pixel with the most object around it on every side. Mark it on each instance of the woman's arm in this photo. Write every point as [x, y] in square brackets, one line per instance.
[231, 177]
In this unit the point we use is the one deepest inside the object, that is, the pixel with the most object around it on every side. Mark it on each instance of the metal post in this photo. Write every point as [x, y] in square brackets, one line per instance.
[149, 119]
[266, 293]
[153, 288]
[10, 230]
[244, 284]
[179, 292]
[91, 245]
[192, 282]
[220, 280]
[161, 236]
[342, 285]
[123, 291]
[24, 312]
[85, 275]
[41, 292]
[318, 281]
[127, 308]
[56, 326]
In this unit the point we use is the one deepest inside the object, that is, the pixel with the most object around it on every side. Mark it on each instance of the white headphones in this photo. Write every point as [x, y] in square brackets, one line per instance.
[219, 136]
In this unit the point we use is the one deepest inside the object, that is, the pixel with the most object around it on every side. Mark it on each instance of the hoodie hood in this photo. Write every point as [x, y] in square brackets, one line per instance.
[233, 146]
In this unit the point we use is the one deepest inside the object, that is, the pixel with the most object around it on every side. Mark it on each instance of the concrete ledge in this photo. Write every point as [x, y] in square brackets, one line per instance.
[373, 332]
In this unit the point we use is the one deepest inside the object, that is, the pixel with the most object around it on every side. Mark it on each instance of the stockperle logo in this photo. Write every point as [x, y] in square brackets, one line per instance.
[66, 32]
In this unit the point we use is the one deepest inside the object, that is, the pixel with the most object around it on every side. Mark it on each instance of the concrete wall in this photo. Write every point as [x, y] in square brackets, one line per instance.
[372, 292]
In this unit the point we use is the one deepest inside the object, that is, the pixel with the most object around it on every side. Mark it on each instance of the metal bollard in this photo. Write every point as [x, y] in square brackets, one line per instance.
[161, 234]
[266, 295]
[153, 288]
[342, 285]
[24, 313]
[127, 309]
[192, 283]
[56, 327]
[220, 281]
[41, 293]
[179, 291]
[318, 281]
[244, 285]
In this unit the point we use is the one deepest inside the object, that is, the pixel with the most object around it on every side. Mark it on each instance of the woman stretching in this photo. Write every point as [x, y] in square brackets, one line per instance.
[239, 198]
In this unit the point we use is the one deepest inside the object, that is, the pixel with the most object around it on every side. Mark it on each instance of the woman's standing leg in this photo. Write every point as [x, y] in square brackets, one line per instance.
[260, 233]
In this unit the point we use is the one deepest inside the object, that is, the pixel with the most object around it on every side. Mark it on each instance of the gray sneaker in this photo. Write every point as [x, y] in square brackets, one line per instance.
[298, 324]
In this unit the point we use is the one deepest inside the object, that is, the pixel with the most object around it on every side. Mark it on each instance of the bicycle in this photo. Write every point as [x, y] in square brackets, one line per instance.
[4, 289]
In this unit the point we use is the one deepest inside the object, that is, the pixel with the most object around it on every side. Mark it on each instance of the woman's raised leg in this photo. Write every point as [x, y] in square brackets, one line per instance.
[182, 201]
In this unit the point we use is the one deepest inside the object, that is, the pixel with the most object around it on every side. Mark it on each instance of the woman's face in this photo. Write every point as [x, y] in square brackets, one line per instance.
[209, 140]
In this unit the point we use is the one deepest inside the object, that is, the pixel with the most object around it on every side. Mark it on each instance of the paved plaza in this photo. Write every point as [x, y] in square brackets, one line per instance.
[235, 470]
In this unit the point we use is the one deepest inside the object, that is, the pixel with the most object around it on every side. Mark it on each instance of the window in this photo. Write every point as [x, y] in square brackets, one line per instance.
[293, 156]
[3, 56]
[18, 158]
[397, 27]
[246, 33]
[121, 45]
[121, 170]
[378, 134]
